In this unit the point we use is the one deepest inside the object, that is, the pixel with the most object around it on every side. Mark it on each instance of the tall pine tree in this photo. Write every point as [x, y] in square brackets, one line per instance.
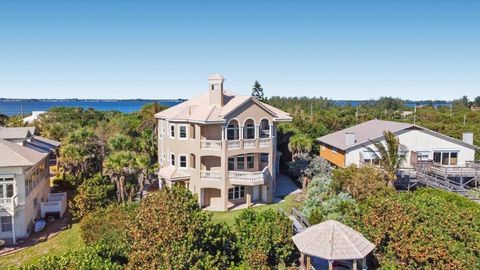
[257, 92]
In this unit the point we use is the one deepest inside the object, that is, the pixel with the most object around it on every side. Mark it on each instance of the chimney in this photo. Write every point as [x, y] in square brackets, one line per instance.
[468, 137]
[349, 138]
[215, 83]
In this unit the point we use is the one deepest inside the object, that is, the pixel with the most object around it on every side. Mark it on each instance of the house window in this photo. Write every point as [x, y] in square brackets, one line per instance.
[236, 193]
[231, 164]
[183, 161]
[6, 224]
[6, 190]
[250, 130]
[423, 155]
[264, 129]
[172, 131]
[250, 161]
[172, 159]
[232, 130]
[182, 132]
[240, 162]
[445, 157]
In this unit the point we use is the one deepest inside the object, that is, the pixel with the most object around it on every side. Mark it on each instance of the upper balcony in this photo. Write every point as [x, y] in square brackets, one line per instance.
[242, 178]
[236, 137]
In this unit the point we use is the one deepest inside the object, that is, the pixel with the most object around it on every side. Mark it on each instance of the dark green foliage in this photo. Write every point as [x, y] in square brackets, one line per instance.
[264, 236]
[108, 228]
[83, 259]
[360, 182]
[257, 92]
[425, 229]
[170, 231]
[93, 193]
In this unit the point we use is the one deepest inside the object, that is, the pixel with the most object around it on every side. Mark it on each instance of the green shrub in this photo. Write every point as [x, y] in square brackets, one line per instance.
[108, 227]
[425, 229]
[82, 259]
[264, 233]
[92, 193]
[170, 231]
[361, 183]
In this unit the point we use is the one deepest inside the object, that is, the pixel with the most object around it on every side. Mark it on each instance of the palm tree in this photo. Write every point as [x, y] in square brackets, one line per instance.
[147, 113]
[299, 144]
[120, 166]
[389, 155]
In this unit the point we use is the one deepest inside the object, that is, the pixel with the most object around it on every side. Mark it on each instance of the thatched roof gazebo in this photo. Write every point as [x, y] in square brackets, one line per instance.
[332, 241]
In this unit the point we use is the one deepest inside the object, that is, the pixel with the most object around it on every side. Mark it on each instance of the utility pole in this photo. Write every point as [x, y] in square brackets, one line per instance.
[356, 116]
[464, 119]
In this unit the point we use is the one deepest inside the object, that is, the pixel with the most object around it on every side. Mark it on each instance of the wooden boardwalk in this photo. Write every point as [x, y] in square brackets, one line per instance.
[461, 180]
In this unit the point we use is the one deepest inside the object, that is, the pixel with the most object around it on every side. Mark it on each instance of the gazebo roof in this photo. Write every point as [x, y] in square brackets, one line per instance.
[332, 240]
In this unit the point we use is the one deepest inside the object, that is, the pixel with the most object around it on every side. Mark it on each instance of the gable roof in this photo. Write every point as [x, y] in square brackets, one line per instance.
[13, 155]
[373, 130]
[10, 133]
[198, 109]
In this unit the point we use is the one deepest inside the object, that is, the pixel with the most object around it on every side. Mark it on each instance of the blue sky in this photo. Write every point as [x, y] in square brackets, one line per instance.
[166, 49]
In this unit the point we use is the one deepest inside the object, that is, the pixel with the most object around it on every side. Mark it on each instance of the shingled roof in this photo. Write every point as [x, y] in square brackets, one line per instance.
[13, 155]
[16, 132]
[373, 130]
[198, 109]
[332, 240]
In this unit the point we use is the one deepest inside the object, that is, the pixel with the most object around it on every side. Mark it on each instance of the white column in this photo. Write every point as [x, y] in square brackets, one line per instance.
[354, 267]
[224, 135]
[14, 237]
[364, 264]
[270, 132]
[330, 265]
[257, 132]
[240, 130]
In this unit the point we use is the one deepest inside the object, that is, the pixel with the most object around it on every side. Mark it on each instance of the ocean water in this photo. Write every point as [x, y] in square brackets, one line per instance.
[25, 107]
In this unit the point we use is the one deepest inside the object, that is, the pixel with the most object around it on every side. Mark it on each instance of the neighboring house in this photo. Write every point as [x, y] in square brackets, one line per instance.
[35, 115]
[353, 146]
[24, 180]
[221, 146]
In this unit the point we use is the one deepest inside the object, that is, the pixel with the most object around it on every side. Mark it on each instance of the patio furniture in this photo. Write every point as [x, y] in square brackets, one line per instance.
[332, 241]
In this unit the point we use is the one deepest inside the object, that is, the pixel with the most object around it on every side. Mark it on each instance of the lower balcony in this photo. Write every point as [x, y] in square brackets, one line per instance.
[248, 178]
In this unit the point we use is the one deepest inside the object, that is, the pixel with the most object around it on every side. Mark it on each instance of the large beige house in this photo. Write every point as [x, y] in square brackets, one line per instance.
[221, 146]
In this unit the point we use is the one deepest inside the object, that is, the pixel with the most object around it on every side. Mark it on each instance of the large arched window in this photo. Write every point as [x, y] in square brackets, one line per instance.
[232, 130]
[264, 128]
[249, 129]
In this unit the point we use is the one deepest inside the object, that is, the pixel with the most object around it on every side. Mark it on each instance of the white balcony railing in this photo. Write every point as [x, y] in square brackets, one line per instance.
[264, 142]
[9, 204]
[211, 144]
[232, 145]
[248, 178]
[211, 175]
[249, 144]
[57, 203]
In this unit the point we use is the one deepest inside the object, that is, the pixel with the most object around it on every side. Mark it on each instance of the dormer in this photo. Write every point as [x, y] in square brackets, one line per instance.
[215, 84]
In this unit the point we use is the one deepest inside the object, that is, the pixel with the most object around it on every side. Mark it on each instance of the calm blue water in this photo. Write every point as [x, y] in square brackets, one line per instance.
[15, 107]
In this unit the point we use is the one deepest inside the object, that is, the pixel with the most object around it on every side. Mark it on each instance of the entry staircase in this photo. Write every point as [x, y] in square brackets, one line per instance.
[461, 180]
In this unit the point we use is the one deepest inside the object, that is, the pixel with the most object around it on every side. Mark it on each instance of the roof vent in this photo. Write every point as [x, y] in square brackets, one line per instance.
[349, 138]
[468, 137]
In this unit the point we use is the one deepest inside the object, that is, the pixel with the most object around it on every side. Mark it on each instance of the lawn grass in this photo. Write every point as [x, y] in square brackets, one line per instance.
[286, 205]
[66, 240]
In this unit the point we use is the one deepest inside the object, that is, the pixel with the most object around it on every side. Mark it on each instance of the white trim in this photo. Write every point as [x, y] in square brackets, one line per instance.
[186, 131]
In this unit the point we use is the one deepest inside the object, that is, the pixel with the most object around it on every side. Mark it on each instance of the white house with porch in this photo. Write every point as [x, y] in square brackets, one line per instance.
[24, 181]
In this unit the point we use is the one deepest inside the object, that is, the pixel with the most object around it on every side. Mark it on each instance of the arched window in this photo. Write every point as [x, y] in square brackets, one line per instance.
[264, 129]
[249, 129]
[232, 130]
